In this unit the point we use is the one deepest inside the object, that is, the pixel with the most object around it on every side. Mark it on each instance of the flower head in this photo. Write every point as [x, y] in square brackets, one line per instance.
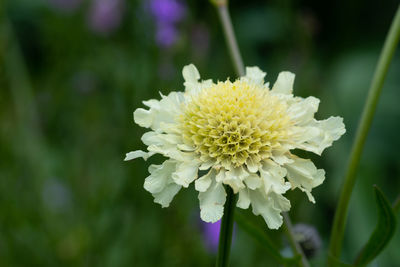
[240, 134]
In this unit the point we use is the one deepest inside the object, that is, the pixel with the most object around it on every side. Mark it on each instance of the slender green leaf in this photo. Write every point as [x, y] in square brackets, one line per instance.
[383, 232]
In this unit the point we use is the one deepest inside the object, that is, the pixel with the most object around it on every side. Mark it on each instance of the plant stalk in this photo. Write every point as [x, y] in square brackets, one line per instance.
[225, 235]
[381, 70]
[223, 13]
[288, 228]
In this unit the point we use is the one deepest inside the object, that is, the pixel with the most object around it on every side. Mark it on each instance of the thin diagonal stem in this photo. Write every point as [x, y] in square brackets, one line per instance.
[386, 56]
[288, 228]
[223, 13]
[225, 235]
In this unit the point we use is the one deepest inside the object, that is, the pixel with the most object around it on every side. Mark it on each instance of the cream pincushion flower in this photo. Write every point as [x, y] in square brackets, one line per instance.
[239, 134]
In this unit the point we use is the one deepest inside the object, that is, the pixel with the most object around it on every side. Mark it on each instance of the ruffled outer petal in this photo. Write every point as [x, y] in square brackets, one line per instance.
[191, 76]
[160, 183]
[186, 172]
[204, 182]
[244, 199]
[273, 178]
[269, 206]
[138, 154]
[212, 202]
[318, 135]
[303, 174]
[164, 111]
[302, 110]
[234, 178]
[165, 196]
[284, 83]
[254, 75]
[167, 145]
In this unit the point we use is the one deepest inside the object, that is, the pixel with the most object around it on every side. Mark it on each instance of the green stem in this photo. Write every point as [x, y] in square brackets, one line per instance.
[288, 228]
[223, 12]
[225, 235]
[362, 131]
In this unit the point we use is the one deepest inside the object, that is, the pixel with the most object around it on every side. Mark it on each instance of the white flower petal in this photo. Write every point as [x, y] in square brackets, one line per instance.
[234, 178]
[269, 207]
[255, 75]
[252, 166]
[143, 117]
[160, 183]
[152, 103]
[281, 156]
[212, 202]
[204, 182]
[161, 139]
[273, 177]
[207, 164]
[253, 181]
[138, 154]
[159, 177]
[185, 147]
[165, 196]
[163, 111]
[191, 76]
[280, 202]
[318, 135]
[220, 177]
[244, 199]
[167, 145]
[303, 174]
[284, 83]
[302, 110]
[186, 172]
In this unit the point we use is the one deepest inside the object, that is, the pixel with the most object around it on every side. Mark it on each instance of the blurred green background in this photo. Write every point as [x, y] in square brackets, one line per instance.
[73, 71]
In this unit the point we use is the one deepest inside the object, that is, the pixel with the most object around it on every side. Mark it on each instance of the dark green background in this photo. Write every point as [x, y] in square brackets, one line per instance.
[67, 95]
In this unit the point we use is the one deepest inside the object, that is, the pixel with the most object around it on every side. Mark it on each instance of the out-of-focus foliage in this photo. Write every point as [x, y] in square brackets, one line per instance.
[71, 74]
[383, 232]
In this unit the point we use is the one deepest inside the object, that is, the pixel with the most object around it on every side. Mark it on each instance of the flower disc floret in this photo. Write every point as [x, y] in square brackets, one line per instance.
[234, 123]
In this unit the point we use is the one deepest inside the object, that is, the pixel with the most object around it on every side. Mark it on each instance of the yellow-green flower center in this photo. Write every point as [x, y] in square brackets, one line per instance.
[235, 123]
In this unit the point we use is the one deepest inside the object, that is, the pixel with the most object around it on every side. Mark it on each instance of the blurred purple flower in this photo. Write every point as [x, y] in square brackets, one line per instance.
[167, 14]
[211, 235]
[105, 15]
[167, 11]
[65, 5]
